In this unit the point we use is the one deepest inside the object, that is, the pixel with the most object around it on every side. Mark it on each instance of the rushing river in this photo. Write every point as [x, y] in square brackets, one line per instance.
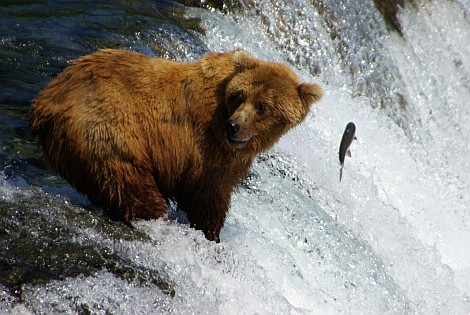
[393, 237]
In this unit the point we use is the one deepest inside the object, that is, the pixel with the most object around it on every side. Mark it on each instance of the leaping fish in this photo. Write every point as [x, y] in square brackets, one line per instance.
[348, 136]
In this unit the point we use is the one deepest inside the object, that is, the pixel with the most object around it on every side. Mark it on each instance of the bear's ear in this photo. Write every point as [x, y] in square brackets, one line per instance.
[243, 61]
[309, 93]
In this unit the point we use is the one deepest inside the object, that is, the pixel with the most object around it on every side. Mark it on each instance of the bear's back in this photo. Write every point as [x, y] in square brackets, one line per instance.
[110, 107]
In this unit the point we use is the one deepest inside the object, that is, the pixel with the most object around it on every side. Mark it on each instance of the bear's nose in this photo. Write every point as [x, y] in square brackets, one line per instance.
[231, 128]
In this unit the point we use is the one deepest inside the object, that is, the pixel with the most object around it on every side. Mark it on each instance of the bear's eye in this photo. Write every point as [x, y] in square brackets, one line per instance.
[237, 99]
[260, 109]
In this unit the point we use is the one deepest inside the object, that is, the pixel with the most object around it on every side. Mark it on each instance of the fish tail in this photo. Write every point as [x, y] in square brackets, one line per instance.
[340, 173]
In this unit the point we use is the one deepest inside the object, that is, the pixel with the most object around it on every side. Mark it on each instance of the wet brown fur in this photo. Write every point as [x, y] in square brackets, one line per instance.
[132, 132]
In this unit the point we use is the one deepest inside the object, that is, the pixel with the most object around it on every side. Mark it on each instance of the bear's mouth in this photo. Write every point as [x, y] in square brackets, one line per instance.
[238, 144]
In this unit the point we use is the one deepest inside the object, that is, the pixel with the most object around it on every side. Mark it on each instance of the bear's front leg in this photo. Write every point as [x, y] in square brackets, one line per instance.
[208, 214]
[212, 233]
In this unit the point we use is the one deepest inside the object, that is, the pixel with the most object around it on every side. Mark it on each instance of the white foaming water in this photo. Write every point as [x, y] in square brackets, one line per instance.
[439, 84]
[391, 238]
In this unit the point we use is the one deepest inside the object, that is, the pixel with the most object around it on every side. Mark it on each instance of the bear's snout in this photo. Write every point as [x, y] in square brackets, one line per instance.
[231, 128]
[237, 135]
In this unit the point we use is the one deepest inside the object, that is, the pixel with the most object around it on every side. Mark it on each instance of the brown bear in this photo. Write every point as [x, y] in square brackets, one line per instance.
[133, 132]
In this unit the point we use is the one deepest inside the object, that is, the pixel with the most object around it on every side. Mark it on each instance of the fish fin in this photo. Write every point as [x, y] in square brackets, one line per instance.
[355, 138]
[348, 153]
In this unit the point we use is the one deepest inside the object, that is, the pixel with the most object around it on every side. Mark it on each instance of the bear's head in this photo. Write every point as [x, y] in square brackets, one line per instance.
[264, 100]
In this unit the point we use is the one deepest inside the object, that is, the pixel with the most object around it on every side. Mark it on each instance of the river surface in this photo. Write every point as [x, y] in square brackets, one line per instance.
[393, 237]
